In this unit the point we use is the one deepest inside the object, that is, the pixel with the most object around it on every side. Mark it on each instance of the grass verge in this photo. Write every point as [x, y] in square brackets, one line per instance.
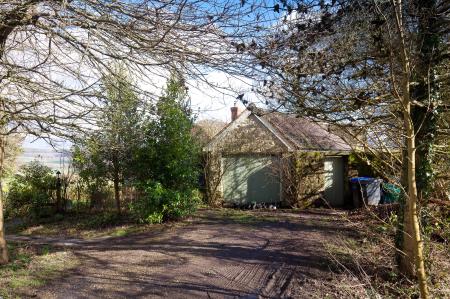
[31, 267]
[247, 217]
[84, 226]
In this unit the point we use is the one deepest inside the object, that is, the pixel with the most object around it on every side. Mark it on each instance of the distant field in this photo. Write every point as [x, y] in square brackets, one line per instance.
[48, 157]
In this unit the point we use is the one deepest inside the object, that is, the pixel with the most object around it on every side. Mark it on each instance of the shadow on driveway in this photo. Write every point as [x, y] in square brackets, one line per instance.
[212, 256]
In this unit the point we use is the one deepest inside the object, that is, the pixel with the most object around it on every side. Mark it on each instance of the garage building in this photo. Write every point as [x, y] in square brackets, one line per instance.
[275, 158]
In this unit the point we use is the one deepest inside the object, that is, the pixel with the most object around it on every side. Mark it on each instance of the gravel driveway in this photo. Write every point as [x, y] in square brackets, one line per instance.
[265, 255]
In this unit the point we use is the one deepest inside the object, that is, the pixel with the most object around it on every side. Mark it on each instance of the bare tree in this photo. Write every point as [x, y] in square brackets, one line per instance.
[377, 67]
[54, 52]
[204, 130]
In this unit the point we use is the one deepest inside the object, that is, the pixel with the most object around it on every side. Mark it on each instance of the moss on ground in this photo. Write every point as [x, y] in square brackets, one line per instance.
[32, 266]
[84, 226]
[246, 217]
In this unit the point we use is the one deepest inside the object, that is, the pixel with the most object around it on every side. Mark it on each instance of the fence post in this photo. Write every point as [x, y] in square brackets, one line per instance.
[58, 192]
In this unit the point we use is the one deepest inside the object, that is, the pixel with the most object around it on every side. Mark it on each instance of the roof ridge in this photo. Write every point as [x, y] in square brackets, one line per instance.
[295, 133]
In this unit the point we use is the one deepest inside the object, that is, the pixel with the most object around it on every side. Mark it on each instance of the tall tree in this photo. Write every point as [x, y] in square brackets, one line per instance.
[108, 151]
[9, 149]
[53, 53]
[171, 153]
[373, 66]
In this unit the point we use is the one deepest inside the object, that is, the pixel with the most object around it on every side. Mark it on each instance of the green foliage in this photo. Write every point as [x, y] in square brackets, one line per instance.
[137, 149]
[30, 191]
[93, 176]
[101, 220]
[108, 151]
[161, 204]
[80, 206]
[170, 154]
[120, 125]
[107, 154]
[169, 160]
[86, 158]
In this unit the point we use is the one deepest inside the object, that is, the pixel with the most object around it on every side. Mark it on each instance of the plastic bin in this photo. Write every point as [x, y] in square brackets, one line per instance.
[391, 193]
[366, 191]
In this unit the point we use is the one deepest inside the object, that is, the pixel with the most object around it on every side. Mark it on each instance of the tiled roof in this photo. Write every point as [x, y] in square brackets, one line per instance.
[305, 134]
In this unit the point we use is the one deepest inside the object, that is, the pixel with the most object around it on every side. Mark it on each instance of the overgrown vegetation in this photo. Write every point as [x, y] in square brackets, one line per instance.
[154, 160]
[168, 160]
[161, 204]
[32, 266]
[303, 174]
[379, 72]
[31, 192]
[106, 154]
[369, 255]
[146, 168]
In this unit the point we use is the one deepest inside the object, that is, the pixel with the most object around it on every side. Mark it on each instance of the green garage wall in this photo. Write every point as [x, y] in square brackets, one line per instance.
[251, 179]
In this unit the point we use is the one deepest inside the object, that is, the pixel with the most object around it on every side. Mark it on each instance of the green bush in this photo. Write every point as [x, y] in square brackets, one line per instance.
[30, 192]
[101, 220]
[161, 204]
[80, 206]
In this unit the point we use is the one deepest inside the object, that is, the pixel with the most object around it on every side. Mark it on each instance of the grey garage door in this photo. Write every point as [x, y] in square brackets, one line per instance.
[249, 179]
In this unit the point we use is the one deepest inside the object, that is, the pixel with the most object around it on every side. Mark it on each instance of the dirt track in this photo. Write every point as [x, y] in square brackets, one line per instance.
[211, 256]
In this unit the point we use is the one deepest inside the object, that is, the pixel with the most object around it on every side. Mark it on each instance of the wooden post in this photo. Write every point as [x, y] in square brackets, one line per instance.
[58, 193]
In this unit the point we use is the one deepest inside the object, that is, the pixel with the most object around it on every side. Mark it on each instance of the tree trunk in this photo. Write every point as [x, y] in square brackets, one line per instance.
[412, 242]
[3, 248]
[9, 21]
[406, 255]
[116, 181]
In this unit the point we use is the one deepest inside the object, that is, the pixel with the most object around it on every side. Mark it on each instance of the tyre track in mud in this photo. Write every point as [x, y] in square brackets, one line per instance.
[209, 257]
